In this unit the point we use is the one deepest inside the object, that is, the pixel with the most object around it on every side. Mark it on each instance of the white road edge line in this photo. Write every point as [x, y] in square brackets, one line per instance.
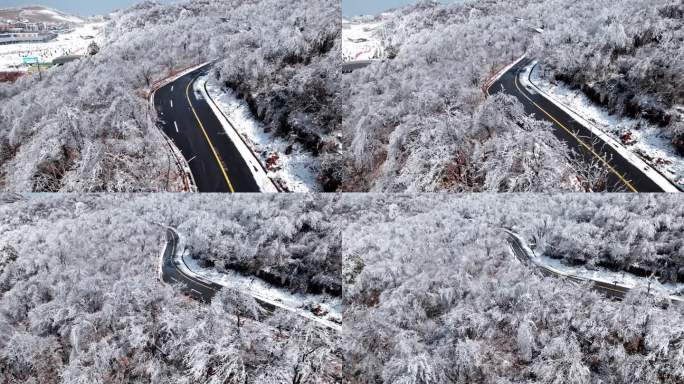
[175, 125]
[172, 88]
[171, 103]
[536, 261]
[665, 184]
[184, 268]
[263, 181]
[174, 149]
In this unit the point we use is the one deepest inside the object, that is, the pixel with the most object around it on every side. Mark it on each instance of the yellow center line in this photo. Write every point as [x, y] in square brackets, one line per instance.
[211, 145]
[590, 149]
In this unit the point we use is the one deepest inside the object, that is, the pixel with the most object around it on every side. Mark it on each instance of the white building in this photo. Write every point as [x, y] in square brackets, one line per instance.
[26, 37]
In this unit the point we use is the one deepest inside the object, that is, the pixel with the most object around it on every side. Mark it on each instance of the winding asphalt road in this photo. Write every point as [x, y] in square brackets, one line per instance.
[623, 176]
[190, 123]
[172, 274]
[611, 290]
[350, 66]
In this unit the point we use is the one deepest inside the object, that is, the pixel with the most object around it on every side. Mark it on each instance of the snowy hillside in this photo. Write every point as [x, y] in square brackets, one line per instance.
[81, 301]
[422, 122]
[86, 126]
[627, 60]
[434, 294]
[36, 14]
[419, 122]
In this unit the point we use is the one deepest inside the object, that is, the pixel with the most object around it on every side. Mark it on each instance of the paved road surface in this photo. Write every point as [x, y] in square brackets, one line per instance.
[350, 66]
[204, 290]
[187, 119]
[171, 274]
[520, 253]
[623, 176]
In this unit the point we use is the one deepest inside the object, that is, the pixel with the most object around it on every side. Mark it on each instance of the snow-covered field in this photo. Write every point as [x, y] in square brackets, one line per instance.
[39, 14]
[288, 167]
[72, 43]
[361, 41]
[51, 14]
[638, 136]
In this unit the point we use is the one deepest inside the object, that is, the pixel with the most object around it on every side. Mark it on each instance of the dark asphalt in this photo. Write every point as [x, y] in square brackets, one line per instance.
[610, 290]
[202, 290]
[171, 274]
[630, 178]
[350, 66]
[179, 123]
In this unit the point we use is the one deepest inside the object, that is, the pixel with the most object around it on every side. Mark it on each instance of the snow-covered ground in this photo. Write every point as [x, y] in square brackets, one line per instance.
[51, 14]
[638, 136]
[623, 279]
[362, 41]
[604, 275]
[39, 14]
[72, 43]
[329, 308]
[292, 169]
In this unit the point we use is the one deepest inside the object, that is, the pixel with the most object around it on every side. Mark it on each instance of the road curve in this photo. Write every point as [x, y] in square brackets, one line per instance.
[187, 119]
[171, 272]
[622, 175]
[523, 253]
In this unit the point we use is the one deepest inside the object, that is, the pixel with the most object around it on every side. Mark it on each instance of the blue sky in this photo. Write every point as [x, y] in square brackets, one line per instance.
[77, 7]
[373, 7]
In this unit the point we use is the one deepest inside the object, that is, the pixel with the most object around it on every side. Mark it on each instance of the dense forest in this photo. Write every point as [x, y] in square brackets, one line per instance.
[643, 236]
[433, 294]
[627, 57]
[86, 126]
[290, 242]
[81, 302]
[286, 66]
[418, 120]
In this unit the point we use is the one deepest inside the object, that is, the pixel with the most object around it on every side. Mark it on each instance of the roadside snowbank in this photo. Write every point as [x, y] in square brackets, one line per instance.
[644, 144]
[257, 169]
[603, 275]
[288, 165]
[329, 308]
[625, 279]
